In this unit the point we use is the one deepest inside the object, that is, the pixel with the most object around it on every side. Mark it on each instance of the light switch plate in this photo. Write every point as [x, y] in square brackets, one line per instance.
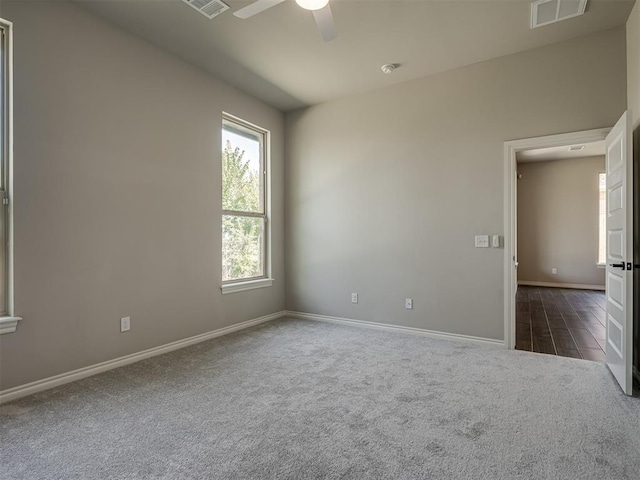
[125, 324]
[482, 241]
[495, 241]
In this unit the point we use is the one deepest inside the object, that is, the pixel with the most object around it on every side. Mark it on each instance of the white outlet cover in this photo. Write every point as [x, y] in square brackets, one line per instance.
[354, 298]
[482, 241]
[408, 303]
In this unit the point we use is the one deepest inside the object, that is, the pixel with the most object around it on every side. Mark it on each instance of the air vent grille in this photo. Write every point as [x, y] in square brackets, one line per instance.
[545, 12]
[208, 8]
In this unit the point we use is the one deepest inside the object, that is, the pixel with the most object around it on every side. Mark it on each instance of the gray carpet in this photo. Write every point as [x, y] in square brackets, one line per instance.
[302, 400]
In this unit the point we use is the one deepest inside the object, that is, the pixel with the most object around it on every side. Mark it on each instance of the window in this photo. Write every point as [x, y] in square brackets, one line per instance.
[602, 218]
[245, 222]
[4, 160]
[8, 323]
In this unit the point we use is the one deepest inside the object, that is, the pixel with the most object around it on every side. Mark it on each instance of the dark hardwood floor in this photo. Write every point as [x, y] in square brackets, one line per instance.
[558, 321]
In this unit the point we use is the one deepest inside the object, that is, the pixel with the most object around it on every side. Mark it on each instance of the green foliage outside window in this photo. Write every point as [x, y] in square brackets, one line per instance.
[242, 236]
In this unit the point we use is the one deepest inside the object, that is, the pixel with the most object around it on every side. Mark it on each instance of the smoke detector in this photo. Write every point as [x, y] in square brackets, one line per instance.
[545, 12]
[389, 67]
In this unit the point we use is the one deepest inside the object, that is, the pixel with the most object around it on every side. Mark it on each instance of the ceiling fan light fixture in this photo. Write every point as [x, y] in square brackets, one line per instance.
[312, 4]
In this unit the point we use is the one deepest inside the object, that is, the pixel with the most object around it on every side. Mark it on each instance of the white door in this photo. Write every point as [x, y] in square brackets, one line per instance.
[620, 254]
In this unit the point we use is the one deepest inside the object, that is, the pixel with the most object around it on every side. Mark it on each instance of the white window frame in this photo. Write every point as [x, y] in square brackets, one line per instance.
[265, 280]
[8, 321]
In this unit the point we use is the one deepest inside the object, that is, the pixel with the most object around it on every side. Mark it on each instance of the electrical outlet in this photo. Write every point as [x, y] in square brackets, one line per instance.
[495, 241]
[354, 298]
[482, 241]
[125, 324]
[408, 303]
[554, 271]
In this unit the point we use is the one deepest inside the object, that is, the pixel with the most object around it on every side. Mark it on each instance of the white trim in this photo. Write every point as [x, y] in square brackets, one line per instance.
[577, 286]
[396, 328]
[57, 380]
[8, 26]
[244, 286]
[8, 324]
[510, 150]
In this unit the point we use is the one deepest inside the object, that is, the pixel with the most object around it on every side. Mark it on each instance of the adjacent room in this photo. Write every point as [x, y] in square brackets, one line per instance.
[319, 239]
[561, 251]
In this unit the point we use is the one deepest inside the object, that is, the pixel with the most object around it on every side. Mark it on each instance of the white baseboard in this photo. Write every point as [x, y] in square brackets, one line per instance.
[578, 286]
[57, 380]
[395, 328]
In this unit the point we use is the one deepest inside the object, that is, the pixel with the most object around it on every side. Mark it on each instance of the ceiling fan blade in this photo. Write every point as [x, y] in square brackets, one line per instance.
[326, 25]
[256, 7]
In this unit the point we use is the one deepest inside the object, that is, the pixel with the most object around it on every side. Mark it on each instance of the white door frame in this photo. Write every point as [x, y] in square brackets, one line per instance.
[510, 149]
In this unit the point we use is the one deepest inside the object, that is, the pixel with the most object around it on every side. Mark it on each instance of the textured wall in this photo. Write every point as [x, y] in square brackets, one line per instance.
[558, 205]
[386, 190]
[117, 195]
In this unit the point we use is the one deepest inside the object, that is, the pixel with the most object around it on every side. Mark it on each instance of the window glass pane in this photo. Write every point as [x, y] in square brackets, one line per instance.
[242, 247]
[3, 113]
[242, 169]
[3, 260]
[602, 218]
[4, 117]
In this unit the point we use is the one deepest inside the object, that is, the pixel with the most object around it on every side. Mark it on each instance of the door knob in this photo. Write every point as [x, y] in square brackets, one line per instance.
[618, 265]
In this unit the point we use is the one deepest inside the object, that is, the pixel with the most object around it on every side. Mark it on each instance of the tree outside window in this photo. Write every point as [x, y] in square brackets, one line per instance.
[244, 216]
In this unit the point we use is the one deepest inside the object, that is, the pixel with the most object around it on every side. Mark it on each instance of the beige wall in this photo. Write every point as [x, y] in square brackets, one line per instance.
[633, 65]
[117, 195]
[386, 190]
[558, 205]
[117, 190]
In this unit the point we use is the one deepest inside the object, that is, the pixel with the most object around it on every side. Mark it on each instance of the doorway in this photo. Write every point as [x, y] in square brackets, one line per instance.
[511, 149]
[561, 251]
[619, 244]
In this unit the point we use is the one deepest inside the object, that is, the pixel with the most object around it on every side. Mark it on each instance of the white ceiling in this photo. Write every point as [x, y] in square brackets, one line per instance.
[279, 57]
[594, 149]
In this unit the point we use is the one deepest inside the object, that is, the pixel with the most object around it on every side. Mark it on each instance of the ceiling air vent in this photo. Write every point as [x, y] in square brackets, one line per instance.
[545, 12]
[208, 8]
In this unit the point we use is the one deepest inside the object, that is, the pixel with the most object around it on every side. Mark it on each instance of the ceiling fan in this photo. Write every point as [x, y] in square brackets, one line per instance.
[320, 8]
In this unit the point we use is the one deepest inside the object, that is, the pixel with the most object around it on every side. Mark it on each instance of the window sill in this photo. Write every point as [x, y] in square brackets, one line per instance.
[248, 285]
[8, 324]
